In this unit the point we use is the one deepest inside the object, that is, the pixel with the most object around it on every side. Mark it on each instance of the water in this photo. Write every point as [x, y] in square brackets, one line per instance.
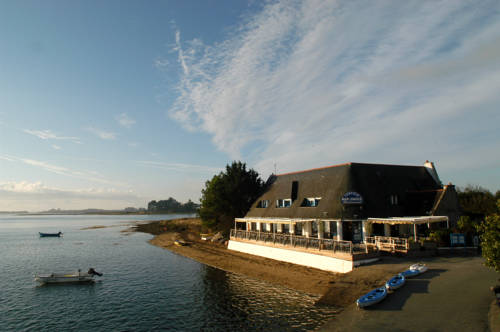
[144, 288]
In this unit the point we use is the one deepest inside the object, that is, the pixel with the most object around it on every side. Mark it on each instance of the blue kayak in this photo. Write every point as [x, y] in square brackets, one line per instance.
[410, 273]
[395, 282]
[375, 296]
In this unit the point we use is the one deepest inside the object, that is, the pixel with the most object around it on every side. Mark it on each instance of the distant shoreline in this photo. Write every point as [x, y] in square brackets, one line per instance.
[112, 213]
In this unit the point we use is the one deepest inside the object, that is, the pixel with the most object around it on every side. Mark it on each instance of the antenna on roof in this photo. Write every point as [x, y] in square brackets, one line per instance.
[275, 172]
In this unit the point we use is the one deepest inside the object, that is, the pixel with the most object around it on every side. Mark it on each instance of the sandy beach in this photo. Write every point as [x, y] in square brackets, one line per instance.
[453, 295]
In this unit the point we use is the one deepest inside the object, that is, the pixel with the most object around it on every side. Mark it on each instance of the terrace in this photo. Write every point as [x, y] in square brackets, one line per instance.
[326, 247]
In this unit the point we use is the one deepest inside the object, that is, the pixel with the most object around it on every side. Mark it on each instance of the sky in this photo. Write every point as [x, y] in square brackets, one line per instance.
[112, 104]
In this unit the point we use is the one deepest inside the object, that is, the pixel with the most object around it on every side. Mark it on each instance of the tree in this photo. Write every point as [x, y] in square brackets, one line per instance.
[490, 241]
[229, 195]
[477, 202]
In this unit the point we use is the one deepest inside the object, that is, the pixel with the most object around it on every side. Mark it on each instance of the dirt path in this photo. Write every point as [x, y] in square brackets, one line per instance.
[453, 296]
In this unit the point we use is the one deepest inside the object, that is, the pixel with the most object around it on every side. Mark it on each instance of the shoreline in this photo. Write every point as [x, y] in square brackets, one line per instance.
[334, 289]
[341, 290]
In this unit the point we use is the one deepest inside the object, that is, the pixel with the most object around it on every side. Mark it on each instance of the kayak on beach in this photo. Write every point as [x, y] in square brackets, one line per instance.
[371, 298]
[395, 282]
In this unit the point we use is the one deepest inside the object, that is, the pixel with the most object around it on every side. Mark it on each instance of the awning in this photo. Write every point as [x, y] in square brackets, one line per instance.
[408, 220]
[274, 220]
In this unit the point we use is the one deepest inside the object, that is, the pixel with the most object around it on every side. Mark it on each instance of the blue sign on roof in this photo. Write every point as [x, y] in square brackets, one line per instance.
[352, 197]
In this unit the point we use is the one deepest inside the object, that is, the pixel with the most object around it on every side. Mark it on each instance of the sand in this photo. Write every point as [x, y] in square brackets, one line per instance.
[453, 295]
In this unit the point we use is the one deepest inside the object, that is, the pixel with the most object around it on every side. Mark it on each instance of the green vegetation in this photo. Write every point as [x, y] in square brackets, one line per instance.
[229, 195]
[171, 205]
[480, 214]
[477, 202]
[490, 241]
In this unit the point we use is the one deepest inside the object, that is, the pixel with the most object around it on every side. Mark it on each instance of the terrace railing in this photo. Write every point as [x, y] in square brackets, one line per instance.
[387, 243]
[300, 241]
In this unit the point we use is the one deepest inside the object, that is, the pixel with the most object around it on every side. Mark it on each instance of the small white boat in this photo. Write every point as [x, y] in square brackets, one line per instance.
[373, 297]
[420, 267]
[395, 282]
[415, 270]
[71, 277]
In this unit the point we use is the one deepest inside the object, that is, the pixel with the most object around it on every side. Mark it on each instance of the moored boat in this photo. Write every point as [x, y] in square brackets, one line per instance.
[71, 277]
[58, 234]
[395, 282]
[371, 298]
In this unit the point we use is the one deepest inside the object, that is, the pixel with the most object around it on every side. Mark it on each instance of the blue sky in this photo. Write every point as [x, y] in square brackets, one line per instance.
[112, 104]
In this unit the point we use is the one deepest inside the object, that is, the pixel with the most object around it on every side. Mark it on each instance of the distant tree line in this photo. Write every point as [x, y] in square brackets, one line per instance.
[171, 205]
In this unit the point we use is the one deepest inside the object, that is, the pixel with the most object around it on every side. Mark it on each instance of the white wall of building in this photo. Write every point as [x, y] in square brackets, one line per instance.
[296, 257]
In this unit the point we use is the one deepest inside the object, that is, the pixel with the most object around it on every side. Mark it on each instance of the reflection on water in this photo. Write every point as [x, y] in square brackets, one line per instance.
[144, 288]
[255, 305]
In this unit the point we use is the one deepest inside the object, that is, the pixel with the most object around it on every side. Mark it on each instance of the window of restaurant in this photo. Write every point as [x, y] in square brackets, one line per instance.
[314, 229]
[297, 229]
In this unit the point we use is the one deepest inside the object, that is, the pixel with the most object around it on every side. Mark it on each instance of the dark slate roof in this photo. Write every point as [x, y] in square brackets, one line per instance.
[415, 187]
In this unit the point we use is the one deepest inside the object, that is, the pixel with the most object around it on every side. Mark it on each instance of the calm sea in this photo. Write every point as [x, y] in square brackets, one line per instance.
[144, 288]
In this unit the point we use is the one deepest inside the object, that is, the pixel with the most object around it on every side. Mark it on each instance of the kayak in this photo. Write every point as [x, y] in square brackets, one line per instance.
[395, 282]
[373, 297]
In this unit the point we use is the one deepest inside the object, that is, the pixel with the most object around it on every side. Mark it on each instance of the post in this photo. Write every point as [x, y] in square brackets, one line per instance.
[415, 232]
[387, 230]
[339, 230]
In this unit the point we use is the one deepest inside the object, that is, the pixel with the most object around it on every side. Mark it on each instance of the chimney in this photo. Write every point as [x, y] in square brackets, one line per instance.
[295, 190]
[429, 165]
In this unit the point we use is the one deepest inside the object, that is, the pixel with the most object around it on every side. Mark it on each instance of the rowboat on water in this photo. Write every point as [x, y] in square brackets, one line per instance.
[395, 282]
[415, 270]
[373, 297]
[71, 277]
[50, 234]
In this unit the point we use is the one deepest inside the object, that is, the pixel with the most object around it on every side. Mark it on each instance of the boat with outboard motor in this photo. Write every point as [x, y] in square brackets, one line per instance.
[71, 277]
[58, 234]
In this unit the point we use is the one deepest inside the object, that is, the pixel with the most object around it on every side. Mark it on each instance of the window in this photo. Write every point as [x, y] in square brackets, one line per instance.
[393, 199]
[311, 202]
[263, 204]
[283, 203]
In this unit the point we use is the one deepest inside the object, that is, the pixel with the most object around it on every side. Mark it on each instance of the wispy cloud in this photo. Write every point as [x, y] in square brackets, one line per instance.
[311, 83]
[106, 135]
[60, 170]
[48, 135]
[179, 167]
[38, 188]
[56, 147]
[124, 120]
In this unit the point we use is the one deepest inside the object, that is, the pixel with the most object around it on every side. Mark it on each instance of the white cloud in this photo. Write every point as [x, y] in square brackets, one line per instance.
[36, 196]
[124, 120]
[56, 147]
[60, 170]
[106, 135]
[312, 83]
[48, 134]
[179, 167]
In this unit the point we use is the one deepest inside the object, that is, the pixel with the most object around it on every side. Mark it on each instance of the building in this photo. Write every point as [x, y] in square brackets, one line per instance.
[352, 209]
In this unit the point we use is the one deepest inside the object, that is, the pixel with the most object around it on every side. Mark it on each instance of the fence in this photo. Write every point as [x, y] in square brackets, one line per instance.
[300, 241]
[387, 243]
